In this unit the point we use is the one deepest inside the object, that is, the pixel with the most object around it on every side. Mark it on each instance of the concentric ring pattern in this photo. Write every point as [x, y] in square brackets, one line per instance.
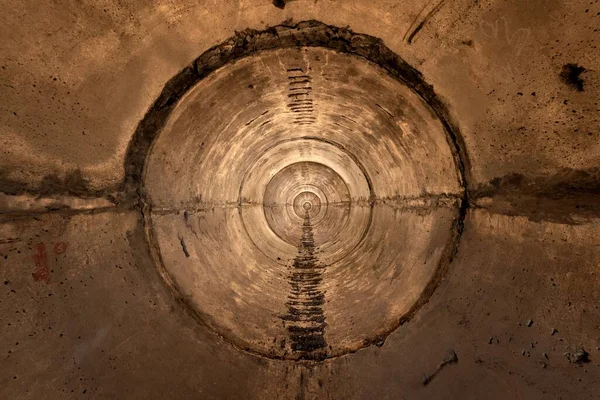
[302, 201]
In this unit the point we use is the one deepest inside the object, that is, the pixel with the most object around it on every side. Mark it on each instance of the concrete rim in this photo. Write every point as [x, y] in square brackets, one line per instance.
[364, 46]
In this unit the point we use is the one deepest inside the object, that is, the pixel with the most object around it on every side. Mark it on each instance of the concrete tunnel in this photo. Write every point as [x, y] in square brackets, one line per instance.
[302, 199]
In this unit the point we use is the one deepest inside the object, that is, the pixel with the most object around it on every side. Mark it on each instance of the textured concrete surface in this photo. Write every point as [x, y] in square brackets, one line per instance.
[300, 199]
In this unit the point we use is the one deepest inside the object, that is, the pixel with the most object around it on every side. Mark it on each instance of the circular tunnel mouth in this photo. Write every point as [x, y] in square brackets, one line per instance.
[302, 201]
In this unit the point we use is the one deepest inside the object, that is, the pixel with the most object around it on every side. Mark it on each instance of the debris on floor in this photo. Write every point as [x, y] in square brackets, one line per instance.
[579, 356]
[451, 358]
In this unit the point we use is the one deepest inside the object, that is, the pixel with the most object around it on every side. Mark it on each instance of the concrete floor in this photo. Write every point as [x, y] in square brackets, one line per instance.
[300, 199]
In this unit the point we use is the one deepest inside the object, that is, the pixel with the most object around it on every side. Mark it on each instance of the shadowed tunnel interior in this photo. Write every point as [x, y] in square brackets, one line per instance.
[380, 201]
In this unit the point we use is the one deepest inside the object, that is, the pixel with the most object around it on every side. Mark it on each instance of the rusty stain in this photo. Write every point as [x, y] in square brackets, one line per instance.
[42, 272]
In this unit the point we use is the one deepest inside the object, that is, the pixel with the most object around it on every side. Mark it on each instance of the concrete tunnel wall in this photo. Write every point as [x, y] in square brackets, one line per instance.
[386, 200]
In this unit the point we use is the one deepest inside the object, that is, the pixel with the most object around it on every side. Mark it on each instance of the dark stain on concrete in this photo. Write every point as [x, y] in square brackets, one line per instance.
[302, 386]
[571, 75]
[305, 319]
[183, 246]
[566, 197]
[279, 4]
[72, 184]
[414, 33]
[578, 356]
[567, 182]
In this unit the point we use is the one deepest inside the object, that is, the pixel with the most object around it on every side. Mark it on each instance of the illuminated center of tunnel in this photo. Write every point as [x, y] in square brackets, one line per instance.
[290, 196]
[313, 189]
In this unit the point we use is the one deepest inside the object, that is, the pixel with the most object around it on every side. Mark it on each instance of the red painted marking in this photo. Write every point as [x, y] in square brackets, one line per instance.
[42, 272]
[60, 247]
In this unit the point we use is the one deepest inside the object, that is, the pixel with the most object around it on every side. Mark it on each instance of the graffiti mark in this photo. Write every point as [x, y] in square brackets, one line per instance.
[40, 259]
[512, 41]
[42, 272]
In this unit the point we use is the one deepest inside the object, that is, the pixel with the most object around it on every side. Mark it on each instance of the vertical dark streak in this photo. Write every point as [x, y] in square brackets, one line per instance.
[414, 33]
[415, 20]
[305, 320]
[424, 21]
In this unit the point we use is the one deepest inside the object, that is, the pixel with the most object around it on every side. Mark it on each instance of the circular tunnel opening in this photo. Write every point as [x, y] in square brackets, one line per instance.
[303, 201]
